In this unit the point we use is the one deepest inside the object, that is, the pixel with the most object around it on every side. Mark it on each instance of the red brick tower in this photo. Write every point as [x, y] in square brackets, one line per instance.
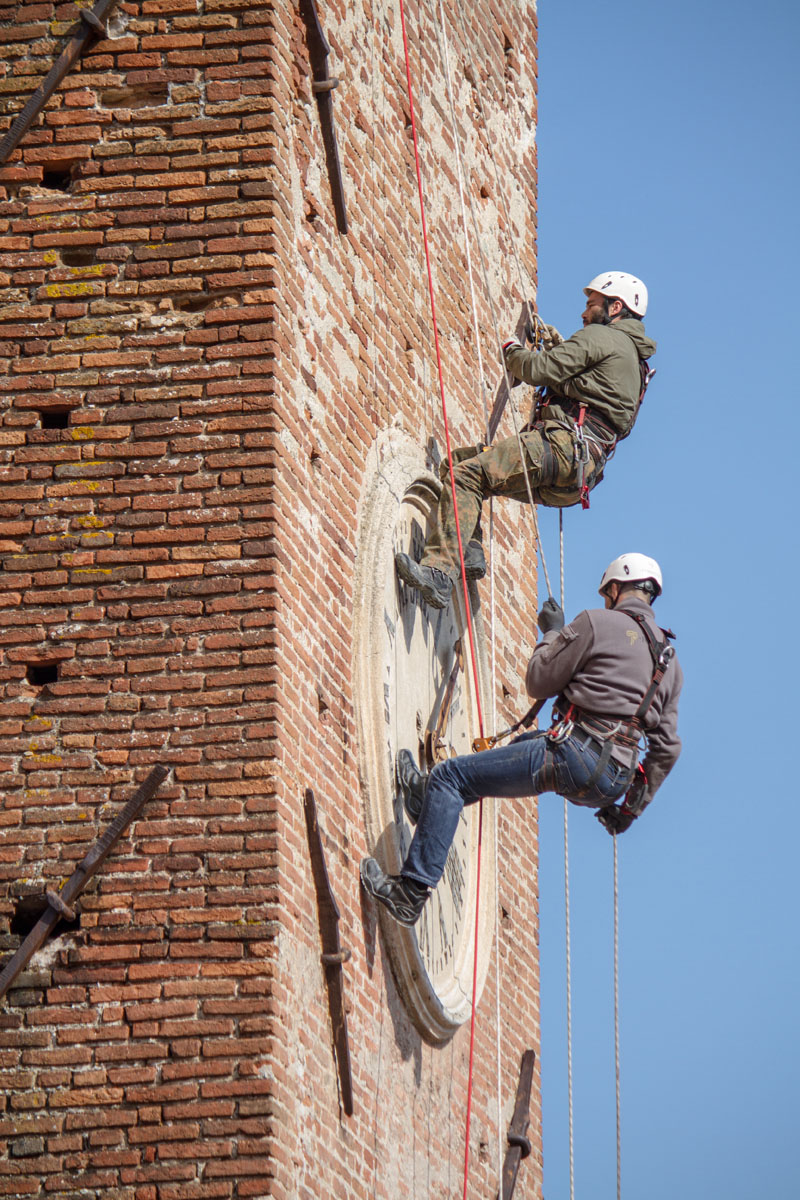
[218, 416]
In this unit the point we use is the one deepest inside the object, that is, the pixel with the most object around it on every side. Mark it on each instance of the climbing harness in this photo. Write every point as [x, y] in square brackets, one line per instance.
[593, 442]
[626, 732]
[662, 654]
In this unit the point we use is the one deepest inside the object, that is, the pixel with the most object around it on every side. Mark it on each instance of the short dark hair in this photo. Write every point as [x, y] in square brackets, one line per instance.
[624, 313]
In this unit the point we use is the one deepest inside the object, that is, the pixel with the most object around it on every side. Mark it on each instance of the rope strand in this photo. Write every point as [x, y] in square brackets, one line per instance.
[567, 930]
[484, 399]
[467, 605]
[492, 309]
[439, 368]
[523, 459]
[568, 958]
[616, 1020]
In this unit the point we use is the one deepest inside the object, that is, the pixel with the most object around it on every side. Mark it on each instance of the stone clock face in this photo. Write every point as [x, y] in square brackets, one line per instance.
[415, 691]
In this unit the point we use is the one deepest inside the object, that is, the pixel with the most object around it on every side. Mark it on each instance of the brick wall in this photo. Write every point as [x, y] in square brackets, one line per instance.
[194, 365]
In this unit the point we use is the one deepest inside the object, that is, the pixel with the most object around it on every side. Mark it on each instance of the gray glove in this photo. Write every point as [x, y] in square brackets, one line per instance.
[551, 616]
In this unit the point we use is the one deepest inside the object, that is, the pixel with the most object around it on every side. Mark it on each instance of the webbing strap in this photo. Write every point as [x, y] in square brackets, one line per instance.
[662, 654]
[581, 458]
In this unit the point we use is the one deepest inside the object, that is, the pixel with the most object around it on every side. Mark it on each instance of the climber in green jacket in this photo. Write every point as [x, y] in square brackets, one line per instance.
[594, 383]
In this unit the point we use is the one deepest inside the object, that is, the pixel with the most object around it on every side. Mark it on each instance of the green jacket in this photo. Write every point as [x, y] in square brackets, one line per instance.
[598, 366]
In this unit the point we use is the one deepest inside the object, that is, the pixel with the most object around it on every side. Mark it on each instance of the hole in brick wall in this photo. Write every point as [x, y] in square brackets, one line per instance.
[191, 304]
[201, 302]
[78, 256]
[145, 95]
[54, 418]
[57, 178]
[40, 674]
[27, 911]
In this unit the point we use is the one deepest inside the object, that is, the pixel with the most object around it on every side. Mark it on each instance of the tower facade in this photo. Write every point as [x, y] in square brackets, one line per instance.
[219, 417]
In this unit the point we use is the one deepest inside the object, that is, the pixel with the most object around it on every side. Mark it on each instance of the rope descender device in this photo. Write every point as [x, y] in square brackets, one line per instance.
[534, 330]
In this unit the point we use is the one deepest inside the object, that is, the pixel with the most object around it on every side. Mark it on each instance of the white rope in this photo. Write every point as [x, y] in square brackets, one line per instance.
[460, 178]
[498, 1056]
[561, 552]
[567, 940]
[492, 310]
[523, 458]
[492, 607]
[567, 929]
[523, 283]
[616, 1019]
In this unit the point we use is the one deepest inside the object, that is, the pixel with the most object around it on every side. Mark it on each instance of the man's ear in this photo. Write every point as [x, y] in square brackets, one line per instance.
[614, 308]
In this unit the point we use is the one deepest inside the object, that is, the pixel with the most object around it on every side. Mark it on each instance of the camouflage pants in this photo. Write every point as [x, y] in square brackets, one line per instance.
[498, 471]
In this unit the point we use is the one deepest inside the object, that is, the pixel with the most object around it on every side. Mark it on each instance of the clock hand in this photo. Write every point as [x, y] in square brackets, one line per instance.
[435, 748]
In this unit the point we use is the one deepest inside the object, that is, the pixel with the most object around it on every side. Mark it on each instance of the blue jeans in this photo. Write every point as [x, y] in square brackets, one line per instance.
[518, 769]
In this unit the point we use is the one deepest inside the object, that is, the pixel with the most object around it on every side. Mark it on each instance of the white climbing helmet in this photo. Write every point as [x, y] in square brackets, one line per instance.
[617, 285]
[632, 568]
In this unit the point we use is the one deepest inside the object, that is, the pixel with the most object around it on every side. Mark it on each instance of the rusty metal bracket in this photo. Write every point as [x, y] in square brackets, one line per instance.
[501, 398]
[519, 1146]
[323, 86]
[59, 904]
[334, 955]
[92, 25]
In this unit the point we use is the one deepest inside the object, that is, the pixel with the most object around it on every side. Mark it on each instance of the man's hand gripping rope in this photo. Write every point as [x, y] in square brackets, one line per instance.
[616, 818]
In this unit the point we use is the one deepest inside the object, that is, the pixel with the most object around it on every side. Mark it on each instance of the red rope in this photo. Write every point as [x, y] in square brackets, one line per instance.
[467, 606]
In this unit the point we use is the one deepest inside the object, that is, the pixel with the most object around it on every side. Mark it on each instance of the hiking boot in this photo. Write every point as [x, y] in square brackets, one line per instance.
[474, 560]
[433, 585]
[411, 784]
[403, 898]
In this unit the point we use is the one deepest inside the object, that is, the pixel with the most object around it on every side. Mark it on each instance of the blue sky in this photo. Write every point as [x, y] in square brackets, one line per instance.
[668, 148]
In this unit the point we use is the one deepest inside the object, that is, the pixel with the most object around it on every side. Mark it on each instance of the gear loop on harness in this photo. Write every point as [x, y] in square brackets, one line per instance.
[562, 729]
[581, 451]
